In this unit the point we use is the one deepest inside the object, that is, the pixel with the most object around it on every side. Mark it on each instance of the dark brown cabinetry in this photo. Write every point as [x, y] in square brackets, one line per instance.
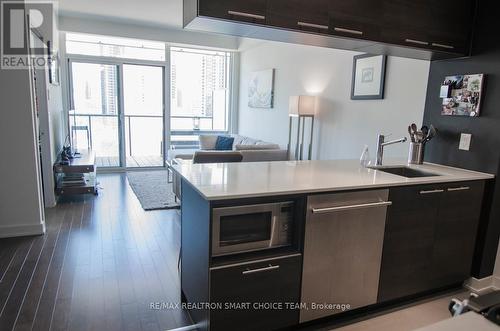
[308, 16]
[432, 29]
[429, 238]
[428, 24]
[355, 19]
[258, 284]
[238, 10]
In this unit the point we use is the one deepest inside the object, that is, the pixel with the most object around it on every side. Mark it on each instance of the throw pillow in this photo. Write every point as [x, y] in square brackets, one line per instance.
[224, 143]
[207, 142]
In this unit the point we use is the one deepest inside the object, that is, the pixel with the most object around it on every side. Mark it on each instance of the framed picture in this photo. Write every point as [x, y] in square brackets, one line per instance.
[464, 95]
[261, 89]
[368, 77]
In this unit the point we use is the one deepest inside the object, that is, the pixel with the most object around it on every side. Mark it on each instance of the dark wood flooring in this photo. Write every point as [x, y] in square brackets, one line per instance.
[101, 264]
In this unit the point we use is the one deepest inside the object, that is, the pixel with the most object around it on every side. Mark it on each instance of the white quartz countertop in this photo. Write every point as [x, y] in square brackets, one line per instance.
[218, 181]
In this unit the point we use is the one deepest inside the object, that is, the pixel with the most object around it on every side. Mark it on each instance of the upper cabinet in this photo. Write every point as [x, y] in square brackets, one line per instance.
[253, 11]
[442, 25]
[452, 29]
[425, 29]
[355, 18]
[308, 16]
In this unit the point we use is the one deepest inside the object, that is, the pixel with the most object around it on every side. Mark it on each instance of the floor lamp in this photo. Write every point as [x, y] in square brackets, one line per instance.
[301, 107]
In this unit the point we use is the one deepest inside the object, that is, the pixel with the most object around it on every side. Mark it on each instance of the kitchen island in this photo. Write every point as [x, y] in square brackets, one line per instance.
[294, 241]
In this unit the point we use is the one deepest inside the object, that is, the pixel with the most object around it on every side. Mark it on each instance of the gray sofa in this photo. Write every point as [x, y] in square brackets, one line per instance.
[253, 150]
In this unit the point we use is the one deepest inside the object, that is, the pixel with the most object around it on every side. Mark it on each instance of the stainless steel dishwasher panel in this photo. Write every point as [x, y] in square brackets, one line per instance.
[342, 251]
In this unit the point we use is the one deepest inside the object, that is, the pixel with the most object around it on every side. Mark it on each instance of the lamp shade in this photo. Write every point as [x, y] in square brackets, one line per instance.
[302, 105]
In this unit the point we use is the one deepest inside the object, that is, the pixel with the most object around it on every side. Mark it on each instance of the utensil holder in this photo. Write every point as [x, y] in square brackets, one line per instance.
[416, 153]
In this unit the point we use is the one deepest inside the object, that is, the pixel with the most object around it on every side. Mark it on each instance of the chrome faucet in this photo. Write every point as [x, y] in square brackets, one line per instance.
[381, 144]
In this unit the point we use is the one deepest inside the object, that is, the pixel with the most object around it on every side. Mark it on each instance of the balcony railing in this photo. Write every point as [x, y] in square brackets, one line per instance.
[100, 132]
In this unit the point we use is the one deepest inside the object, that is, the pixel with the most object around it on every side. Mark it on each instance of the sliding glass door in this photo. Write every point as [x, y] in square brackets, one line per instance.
[118, 112]
[94, 117]
[143, 100]
[137, 102]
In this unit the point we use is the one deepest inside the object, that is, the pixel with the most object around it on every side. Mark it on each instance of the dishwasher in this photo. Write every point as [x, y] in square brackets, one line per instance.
[344, 237]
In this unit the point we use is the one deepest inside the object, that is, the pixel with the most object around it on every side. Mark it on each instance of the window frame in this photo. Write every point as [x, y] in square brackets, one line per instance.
[233, 76]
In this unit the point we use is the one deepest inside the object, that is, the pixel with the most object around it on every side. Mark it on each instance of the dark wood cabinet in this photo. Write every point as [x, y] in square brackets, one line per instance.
[452, 25]
[253, 11]
[455, 233]
[408, 241]
[439, 25]
[355, 18]
[308, 16]
[429, 237]
[274, 281]
[424, 29]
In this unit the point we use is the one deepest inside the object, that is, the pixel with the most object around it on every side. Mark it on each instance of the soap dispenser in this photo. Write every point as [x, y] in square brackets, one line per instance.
[364, 160]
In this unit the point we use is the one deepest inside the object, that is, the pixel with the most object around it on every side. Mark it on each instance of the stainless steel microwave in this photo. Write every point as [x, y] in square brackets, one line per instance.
[251, 227]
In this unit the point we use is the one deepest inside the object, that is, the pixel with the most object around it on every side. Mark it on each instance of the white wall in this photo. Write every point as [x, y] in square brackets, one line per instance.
[130, 30]
[344, 126]
[20, 197]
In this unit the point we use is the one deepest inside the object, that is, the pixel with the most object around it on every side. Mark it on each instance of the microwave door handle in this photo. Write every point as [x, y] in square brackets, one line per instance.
[272, 238]
[231, 242]
[234, 241]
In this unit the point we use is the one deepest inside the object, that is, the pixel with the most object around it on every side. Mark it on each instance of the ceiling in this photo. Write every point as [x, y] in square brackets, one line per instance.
[166, 13]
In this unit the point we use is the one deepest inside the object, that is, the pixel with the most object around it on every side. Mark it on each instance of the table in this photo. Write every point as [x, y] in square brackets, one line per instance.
[77, 177]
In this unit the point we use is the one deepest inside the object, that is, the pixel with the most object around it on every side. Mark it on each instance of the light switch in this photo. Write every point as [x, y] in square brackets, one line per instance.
[465, 139]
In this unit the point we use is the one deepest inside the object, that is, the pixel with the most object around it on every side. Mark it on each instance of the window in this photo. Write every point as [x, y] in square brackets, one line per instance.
[199, 90]
[77, 43]
[118, 96]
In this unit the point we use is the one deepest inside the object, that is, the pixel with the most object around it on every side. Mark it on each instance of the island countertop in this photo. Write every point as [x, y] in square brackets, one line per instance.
[220, 181]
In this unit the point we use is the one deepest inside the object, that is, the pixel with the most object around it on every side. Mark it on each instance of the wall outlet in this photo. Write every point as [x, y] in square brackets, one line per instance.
[465, 139]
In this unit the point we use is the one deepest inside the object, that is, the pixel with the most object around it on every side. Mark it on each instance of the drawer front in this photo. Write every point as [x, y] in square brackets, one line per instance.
[262, 287]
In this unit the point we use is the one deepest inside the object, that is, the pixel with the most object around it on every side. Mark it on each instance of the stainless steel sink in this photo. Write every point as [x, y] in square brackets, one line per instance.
[405, 171]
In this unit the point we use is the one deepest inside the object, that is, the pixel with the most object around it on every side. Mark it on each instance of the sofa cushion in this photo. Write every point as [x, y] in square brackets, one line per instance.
[207, 141]
[224, 143]
[256, 147]
[242, 140]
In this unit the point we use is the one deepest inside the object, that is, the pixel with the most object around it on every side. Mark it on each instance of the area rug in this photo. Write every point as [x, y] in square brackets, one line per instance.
[152, 189]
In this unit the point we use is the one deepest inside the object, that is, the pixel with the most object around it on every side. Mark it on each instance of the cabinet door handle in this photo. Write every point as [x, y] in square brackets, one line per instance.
[351, 207]
[461, 188]
[356, 32]
[418, 42]
[242, 14]
[253, 271]
[443, 46]
[431, 191]
[312, 25]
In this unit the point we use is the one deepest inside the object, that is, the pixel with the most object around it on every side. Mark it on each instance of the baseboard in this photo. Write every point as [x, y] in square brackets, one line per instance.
[485, 284]
[496, 282]
[22, 230]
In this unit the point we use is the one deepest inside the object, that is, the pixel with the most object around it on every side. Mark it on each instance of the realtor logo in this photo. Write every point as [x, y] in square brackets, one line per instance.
[19, 21]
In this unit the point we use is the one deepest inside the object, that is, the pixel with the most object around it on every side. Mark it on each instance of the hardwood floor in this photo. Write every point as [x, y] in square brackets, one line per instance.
[131, 161]
[101, 264]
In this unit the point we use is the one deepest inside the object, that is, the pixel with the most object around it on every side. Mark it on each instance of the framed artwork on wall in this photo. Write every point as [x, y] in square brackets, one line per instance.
[461, 95]
[368, 77]
[261, 89]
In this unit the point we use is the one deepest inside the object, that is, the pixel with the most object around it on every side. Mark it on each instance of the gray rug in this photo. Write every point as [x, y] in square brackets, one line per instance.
[152, 189]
